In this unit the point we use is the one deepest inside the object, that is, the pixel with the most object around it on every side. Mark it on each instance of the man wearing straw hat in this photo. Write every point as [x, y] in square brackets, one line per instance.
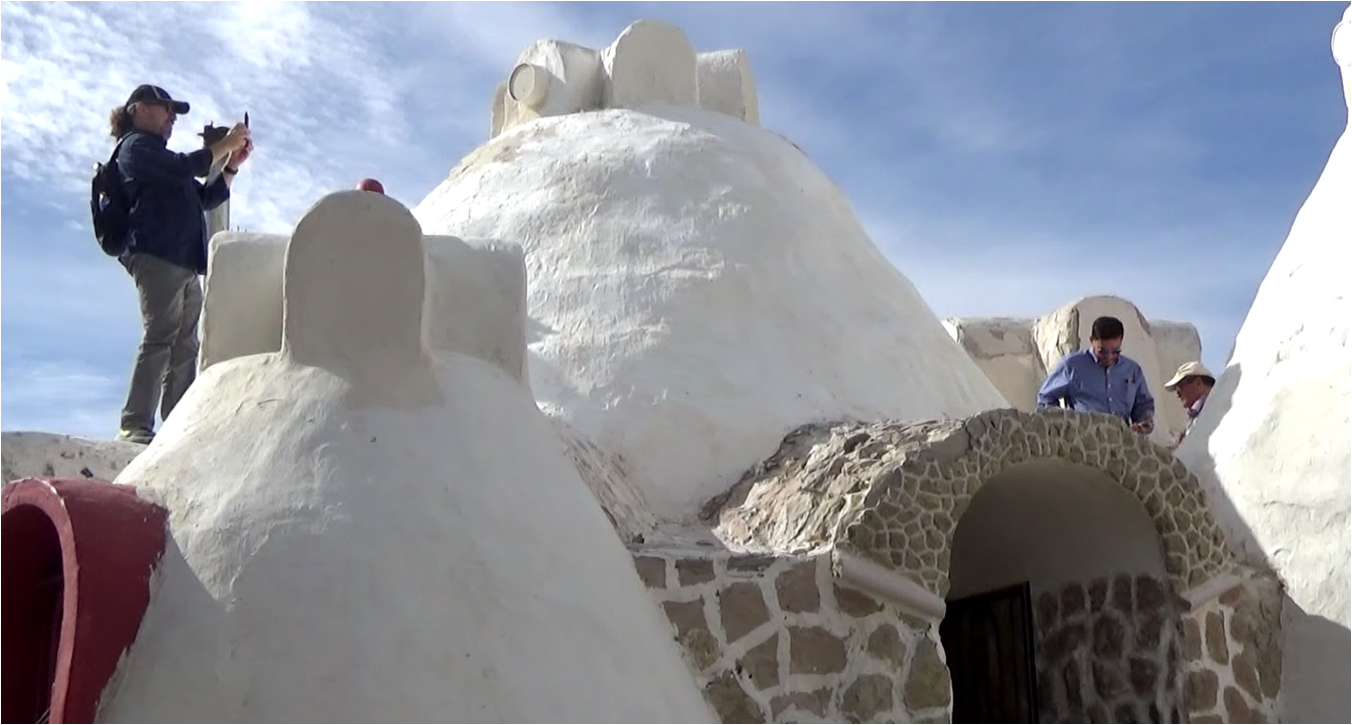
[1192, 384]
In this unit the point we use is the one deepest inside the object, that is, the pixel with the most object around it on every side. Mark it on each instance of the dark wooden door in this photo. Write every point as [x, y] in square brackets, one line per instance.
[988, 639]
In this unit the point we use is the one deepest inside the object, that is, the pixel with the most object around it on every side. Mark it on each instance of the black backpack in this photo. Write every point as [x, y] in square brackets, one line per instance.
[109, 205]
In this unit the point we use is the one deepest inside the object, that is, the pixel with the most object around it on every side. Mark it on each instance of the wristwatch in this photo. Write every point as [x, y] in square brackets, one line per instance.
[231, 170]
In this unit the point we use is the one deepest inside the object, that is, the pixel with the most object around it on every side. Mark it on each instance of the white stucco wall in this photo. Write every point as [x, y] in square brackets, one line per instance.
[727, 85]
[362, 532]
[1274, 443]
[698, 289]
[475, 299]
[1003, 348]
[1050, 523]
[28, 454]
[242, 296]
[650, 62]
[569, 77]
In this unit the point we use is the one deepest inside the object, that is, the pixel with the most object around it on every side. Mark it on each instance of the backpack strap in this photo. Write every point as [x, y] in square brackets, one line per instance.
[118, 147]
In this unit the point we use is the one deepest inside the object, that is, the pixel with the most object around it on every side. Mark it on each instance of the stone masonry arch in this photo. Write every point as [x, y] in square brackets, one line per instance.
[893, 492]
[909, 519]
[844, 535]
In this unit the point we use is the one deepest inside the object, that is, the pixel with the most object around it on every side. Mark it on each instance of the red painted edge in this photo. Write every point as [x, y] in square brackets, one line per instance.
[111, 541]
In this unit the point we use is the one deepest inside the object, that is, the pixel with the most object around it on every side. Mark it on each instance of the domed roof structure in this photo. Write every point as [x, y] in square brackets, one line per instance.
[698, 287]
[365, 531]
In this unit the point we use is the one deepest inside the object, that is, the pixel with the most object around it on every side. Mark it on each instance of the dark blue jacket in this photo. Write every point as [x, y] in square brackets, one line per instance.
[168, 205]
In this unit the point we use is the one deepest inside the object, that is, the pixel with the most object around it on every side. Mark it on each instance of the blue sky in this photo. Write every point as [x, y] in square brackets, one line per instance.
[1008, 158]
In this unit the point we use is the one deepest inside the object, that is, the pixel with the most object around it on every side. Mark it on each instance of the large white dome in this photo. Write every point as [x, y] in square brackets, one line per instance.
[697, 288]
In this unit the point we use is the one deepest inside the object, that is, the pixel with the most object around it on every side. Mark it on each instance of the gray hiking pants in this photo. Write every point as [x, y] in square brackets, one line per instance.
[166, 362]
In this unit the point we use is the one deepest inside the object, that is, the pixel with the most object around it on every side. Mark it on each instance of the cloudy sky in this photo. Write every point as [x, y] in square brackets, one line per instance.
[1008, 158]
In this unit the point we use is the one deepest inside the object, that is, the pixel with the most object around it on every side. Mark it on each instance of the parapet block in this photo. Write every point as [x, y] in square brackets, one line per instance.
[358, 280]
[650, 62]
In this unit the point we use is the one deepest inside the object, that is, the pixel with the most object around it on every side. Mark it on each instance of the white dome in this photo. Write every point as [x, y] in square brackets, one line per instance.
[698, 288]
[363, 532]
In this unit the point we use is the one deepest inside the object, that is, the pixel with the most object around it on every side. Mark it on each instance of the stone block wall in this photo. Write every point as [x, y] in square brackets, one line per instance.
[1233, 657]
[780, 639]
[1109, 650]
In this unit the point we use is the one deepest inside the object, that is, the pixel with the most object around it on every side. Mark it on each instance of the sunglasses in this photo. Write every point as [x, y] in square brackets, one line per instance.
[1105, 352]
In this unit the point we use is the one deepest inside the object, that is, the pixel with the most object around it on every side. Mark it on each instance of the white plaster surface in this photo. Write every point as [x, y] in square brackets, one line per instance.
[574, 79]
[1051, 523]
[698, 288]
[475, 299]
[1274, 443]
[1068, 328]
[241, 296]
[498, 113]
[612, 482]
[726, 85]
[30, 454]
[364, 535]
[1003, 348]
[650, 62]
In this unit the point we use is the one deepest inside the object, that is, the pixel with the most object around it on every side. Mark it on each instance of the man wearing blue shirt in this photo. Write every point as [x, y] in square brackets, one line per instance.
[166, 245]
[1102, 380]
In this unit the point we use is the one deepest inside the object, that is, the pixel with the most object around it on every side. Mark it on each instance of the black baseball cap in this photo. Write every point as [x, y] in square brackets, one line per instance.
[154, 94]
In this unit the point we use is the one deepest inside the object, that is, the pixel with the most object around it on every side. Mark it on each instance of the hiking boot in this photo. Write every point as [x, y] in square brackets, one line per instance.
[144, 437]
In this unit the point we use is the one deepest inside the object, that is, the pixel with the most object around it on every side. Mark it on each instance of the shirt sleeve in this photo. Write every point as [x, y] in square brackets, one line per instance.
[215, 193]
[1143, 408]
[1056, 386]
[144, 161]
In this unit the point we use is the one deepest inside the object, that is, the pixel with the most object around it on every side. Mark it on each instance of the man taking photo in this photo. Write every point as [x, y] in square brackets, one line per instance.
[166, 245]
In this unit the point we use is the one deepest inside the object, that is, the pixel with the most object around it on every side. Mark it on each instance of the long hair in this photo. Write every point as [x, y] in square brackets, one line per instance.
[119, 122]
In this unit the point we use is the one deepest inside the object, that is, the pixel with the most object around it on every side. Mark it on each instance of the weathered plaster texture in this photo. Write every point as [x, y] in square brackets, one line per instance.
[1109, 650]
[658, 240]
[894, 492]
[1274, 444]
[47, 455]
[779, 639]
[474, 299]
[362, 531]
[650, 62]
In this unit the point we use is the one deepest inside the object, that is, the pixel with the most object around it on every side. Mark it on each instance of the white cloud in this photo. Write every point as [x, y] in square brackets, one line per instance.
[902, 104]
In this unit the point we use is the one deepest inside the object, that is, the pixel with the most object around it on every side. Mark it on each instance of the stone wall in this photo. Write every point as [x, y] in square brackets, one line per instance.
[1109, 650]
[893, 492]
[1233, 657]
[780, 639]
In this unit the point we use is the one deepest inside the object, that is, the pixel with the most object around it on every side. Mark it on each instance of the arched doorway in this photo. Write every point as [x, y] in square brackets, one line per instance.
[1058, 605]
[891, 494]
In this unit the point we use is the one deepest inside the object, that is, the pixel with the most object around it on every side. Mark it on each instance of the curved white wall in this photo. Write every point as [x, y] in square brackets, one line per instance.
[362, 533]
[1274, 444]
[698, 288]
